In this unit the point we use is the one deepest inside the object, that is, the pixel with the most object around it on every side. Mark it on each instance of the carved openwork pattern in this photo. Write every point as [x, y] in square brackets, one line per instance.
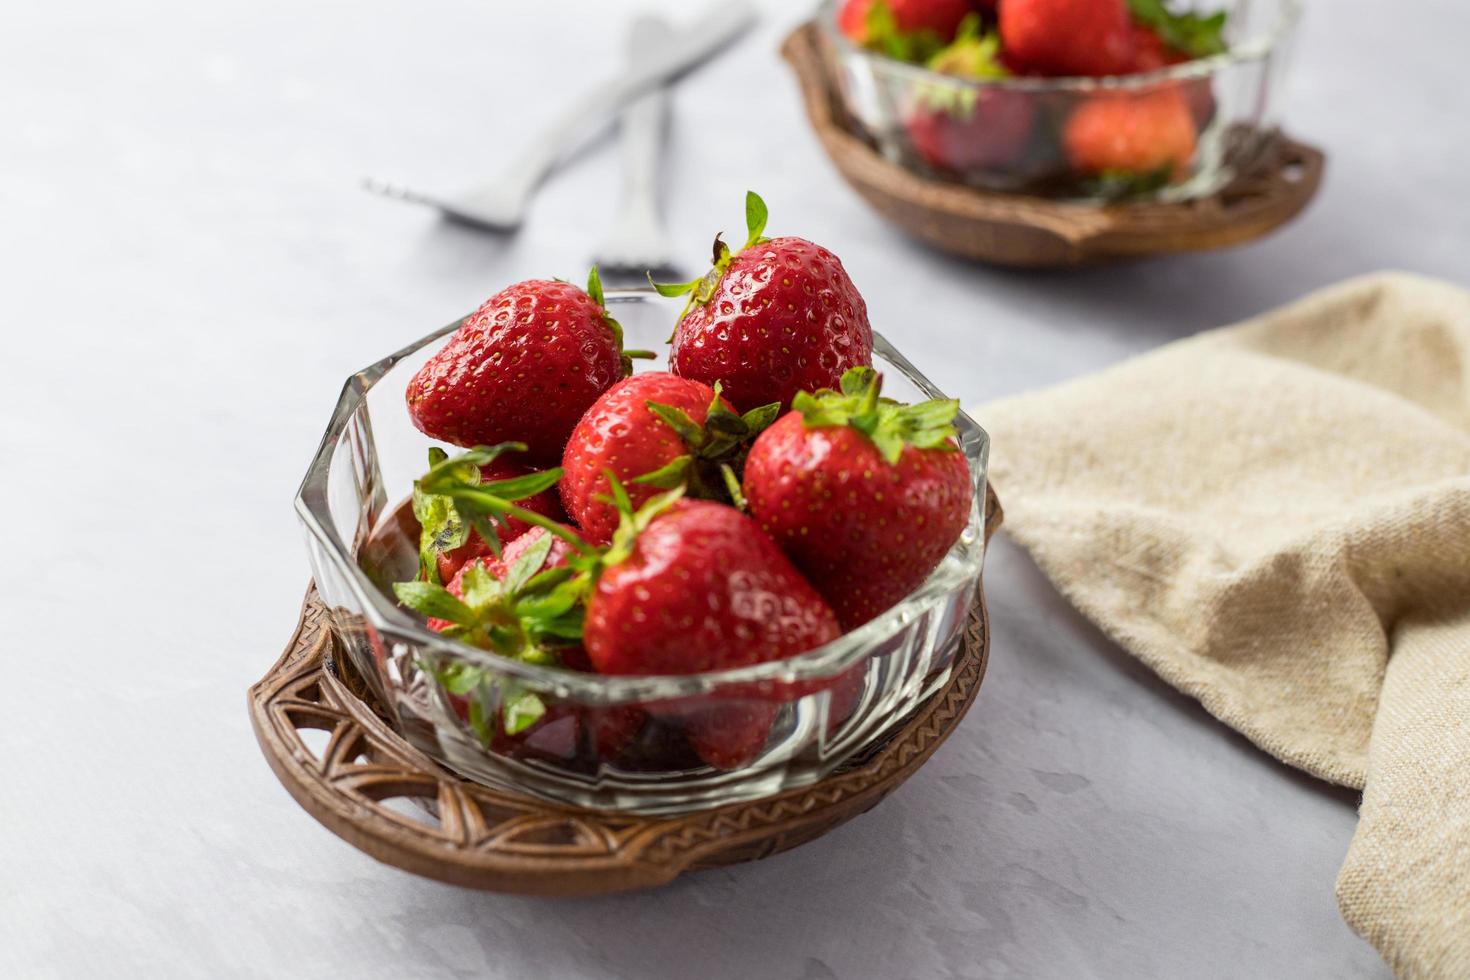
[492, 839]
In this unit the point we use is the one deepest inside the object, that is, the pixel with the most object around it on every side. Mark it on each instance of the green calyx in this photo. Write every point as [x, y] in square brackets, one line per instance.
[702, 289]
[888, 424]
[716, 449]
[631, 523]
[1193, 34]
[886, 37]
[974, 53]
[450, 501]
[594, 289]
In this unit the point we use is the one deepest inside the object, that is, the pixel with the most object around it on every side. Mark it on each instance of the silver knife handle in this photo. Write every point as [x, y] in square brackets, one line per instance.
[598, 107]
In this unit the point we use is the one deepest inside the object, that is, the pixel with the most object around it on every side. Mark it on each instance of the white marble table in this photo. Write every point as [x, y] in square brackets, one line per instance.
[189, 271]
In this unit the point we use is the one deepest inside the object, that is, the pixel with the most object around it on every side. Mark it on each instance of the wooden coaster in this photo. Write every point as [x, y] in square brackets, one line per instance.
[362, 784]
[1022, 230]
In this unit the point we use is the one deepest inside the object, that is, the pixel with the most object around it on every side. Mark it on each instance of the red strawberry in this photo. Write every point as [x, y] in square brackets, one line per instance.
[556, 557]
[991, 134]
[960, 130]
[1138, 135]
[1067, 37]
[514, 607]
[695, 588]
[524, 366]
[701, 588]
[511, 529]
[652, 431]
[865, 495]
[778, 318]
[847, 693]
[481, 605]
[1149, 51]
[727, 733]
[941, 18]
[467, 506]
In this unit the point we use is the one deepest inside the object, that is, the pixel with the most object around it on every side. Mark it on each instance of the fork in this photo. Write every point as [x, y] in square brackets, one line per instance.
[637, 242]
[501, 204]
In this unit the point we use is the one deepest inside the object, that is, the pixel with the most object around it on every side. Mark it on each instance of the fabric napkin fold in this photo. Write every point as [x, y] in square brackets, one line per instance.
[1275, 517]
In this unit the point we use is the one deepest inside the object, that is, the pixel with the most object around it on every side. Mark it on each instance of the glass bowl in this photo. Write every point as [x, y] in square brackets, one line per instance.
[611, 742]
[1211, 117]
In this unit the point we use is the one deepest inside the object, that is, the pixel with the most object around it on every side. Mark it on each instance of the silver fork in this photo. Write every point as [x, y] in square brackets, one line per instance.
[500, 205]
[637, 242]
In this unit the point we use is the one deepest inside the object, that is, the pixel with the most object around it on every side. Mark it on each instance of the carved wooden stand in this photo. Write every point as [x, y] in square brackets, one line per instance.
[488, 838]
[1021, 230]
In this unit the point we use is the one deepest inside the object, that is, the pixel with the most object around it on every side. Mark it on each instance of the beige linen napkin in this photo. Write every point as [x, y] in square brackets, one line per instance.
[1275, 517]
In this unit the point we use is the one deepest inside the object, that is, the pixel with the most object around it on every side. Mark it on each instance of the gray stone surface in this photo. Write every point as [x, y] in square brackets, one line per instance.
[189, 272]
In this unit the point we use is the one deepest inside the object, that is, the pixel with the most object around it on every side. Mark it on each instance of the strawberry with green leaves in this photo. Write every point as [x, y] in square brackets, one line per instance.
[959, 129]
[908, 30]
[652, 432]
[776, 318]
[526, 609]
[527, 605]
[469, 505]
[1177, 35]
[864, 494]
[1133, 143]
[502, 468]
[690, 586]
[523, 367]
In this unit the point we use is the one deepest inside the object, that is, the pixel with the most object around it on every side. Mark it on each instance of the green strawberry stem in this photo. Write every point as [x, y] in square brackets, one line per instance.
[972, 54]
[1193, 34]
[724, 439]
[631, 523]
[700, 290]
[502, 508]
[888, 424]
[884, 35]
[594, 289]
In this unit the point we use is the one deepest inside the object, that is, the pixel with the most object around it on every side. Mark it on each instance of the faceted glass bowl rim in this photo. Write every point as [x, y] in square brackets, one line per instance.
[818, 664]
[1255, 48]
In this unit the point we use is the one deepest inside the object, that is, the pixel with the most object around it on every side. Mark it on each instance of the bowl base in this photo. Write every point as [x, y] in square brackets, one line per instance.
[335, 752]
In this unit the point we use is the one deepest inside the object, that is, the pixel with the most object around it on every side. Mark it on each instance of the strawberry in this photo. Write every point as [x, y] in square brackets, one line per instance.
[524, 366]
[524, 607]
[546, 503]
[1067, 37]
[466, 506]
[690, 586]
[653, 431]
[1149, 136]
[779, 317]
[958, 129]
[1149, 51]
[1180, 36]
[726, 733]
[700, 587]
[864, 494]
[497, 568]
[990, 135]
[884, 24]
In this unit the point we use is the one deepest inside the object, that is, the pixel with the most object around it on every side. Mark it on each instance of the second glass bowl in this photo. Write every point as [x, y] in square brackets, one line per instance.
[1208, 119]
